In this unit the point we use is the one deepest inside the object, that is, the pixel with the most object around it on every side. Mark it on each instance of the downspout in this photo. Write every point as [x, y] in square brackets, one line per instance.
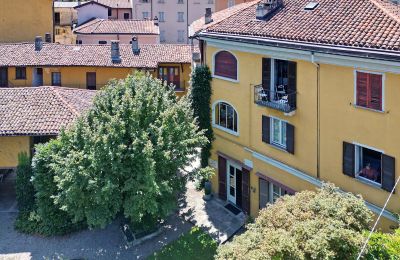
[187, 19]
[151, 9]
[318, 114]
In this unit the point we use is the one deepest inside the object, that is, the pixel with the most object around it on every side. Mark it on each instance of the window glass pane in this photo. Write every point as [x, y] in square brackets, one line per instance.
[263, 195]
[235, 122]
[369, 164]
[283, 135]
[276, 193]
[276, 130]
[229, 123]
[222, 116]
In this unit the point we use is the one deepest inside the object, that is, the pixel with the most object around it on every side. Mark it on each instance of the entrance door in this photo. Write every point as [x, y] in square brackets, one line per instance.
[38, 77]
[3, 77]
[91, 80]
[233, 172]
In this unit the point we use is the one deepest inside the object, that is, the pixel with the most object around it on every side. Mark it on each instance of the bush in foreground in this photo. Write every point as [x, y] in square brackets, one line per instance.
[327, 224]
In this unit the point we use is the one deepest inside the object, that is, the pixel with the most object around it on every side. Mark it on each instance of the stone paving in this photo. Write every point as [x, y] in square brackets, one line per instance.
[211, 215]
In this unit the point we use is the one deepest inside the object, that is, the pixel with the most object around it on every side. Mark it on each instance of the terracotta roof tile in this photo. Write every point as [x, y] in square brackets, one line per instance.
[41, 110]
[110, 3]
[52, 54]
[370, 24]
[102, 26]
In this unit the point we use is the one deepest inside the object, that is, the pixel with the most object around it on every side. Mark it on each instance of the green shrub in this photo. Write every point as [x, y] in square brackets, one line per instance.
[384, 246]
[23, 185]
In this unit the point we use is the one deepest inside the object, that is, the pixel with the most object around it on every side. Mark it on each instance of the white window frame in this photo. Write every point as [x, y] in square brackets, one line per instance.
[357, 155]
[271, 137]
[214, 122]
[383, 89]
[221, 77]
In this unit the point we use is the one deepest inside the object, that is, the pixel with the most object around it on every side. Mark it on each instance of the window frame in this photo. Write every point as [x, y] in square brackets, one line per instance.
[127, 14]
[52, 78]
[357, 147]
[18, 76]
[279, 144]
[181, 17]
[283, 190]
[222, 77]
[383, 89]
[183, 36]
[161, 18]
[225, 129]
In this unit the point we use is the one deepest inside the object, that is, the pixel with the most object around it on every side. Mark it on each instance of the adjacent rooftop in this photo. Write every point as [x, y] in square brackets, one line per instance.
[109, 3]
[102, 26]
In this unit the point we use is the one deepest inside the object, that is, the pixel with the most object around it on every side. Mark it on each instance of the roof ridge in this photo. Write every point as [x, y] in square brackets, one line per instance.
[69, 107]
[97, 25]
[385, 10]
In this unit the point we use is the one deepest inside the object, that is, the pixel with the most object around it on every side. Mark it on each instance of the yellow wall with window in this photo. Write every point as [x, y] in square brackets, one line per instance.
[10, 147]
[22, 20]
[340, 121]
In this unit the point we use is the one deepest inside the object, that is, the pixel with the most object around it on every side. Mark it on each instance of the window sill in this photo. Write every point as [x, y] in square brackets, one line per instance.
[224, 78]
[225, 130]
[368, 182]
[369, 109]
[278, 147]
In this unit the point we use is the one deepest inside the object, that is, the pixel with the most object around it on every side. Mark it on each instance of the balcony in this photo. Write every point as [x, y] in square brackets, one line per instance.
[280, 99]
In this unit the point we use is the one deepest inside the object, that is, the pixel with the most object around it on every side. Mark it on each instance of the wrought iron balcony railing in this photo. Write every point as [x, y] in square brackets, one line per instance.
[280, 100]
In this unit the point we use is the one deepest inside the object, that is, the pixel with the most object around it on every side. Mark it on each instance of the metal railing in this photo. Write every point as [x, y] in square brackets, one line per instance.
[280, 100]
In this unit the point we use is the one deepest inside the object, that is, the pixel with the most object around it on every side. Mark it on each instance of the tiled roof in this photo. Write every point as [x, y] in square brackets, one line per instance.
[110, 3]
[370, 24]
[102, 26]
[53, 54]
[41, 110]
[65, 4]
[199, 24]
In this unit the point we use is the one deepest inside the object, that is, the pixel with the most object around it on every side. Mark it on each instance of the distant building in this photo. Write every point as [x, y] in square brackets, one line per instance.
[100, 31]
[22, 20]
[223, 4]
[65, 18]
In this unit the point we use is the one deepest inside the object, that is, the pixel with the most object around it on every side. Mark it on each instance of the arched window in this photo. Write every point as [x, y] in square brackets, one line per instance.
[225, 65]
[225, 116]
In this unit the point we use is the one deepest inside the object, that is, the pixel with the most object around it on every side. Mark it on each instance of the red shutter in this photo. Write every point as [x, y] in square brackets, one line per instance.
[362, 89]
[375, 81]
[225, 65]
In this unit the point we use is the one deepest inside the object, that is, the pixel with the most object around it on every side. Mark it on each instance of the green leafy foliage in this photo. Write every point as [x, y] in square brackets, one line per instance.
[201, 97]
[194, 245]
[327, 224]
[23, 185]
[384, 246]
[123, 156]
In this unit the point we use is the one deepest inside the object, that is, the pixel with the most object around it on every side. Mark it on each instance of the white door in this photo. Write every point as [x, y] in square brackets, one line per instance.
[232, 170]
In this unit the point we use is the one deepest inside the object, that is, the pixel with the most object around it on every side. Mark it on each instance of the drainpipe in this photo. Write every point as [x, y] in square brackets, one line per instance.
[318, 114]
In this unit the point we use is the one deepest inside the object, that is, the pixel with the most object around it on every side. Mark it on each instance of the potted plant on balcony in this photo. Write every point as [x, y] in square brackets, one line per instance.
[204, 176]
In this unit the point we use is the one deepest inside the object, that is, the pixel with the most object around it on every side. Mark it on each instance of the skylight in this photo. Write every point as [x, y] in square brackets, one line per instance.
[311, 6]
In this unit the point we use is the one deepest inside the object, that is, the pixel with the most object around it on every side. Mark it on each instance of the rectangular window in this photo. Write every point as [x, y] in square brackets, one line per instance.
[56, 78]
[181, 36]
[180, 17]
[109, 12]
[91, 81]
[78, 41]
[270, 192]
[102, 42]
[368, 164]
[210, 2]
[126, 16]
[161, 17]
[57, 19]
[369, 90]
[145, 15]
[161, 1]
[162, 36]
[20, 73]
[278, 132]
[171, 75]
[180, 1]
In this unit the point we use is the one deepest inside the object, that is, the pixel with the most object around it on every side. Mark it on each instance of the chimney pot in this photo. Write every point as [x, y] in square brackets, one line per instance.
[155, 20]
[38, 43]
[47, 37]
[208, 16]
[135, 45]
[115, 53]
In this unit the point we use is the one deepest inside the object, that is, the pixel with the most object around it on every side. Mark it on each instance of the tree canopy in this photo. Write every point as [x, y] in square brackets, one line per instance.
[125, 155]
[327, 224]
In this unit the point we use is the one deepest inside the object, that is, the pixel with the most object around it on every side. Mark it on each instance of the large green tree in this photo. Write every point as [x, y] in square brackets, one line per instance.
[327, 224]
[126, 154]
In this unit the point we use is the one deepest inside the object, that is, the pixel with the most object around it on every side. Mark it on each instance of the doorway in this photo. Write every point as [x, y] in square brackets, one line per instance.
[3, 77]
[37, 77]
[234, 183]
[91, 80]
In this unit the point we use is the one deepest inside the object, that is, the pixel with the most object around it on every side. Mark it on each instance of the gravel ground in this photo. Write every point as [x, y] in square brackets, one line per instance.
[105, 243]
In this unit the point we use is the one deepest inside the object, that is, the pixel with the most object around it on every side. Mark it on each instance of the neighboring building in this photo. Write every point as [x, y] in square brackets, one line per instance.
[305, 93]
[65, 19]
[223, 4]
[91, 66]
[104, 9]
[100, 31]
[36, 115]
[174, 16]
[22, 20]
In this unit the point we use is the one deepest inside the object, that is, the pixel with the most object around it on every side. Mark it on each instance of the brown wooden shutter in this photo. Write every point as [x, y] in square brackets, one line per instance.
[266, 129]
[246, 191]
[225, 65]
[222, 177]
[375, 101]
[349, 159]
[292, 81]
[362, 89]
[266, 73]
[388, 172]
[290, 138]
[239, 176]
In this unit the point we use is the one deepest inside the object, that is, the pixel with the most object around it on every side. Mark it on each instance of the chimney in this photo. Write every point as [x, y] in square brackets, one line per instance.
[115, 54]
[267, 7]
[135, 45]
[38, 43]
[155, 20]
[208, 16]
[47, 38]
